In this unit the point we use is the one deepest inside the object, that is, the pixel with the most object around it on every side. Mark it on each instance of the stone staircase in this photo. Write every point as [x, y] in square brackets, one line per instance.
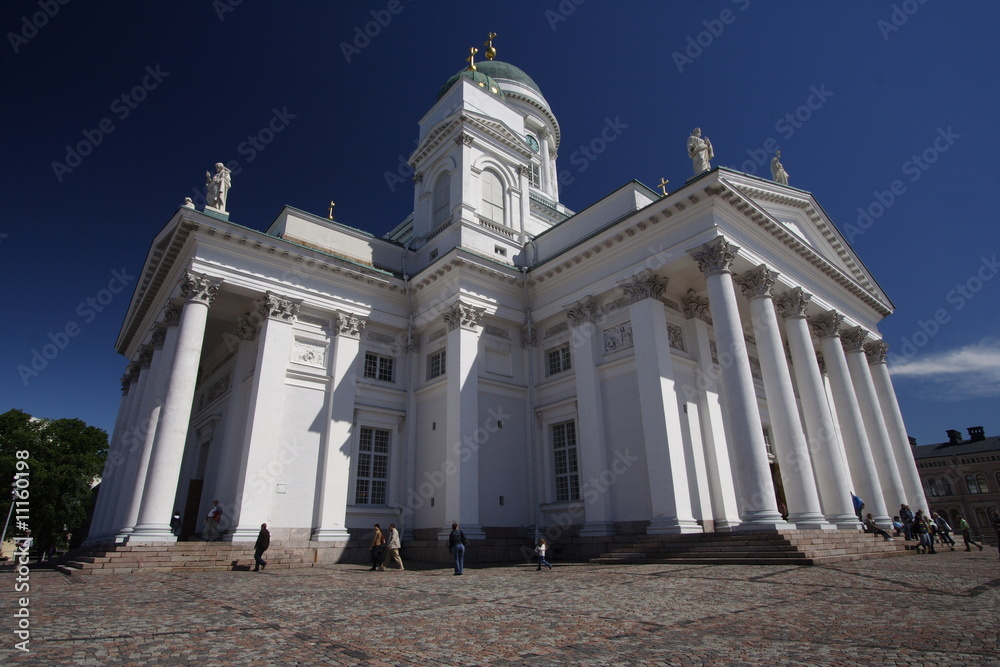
[786, 547]
[179, 557]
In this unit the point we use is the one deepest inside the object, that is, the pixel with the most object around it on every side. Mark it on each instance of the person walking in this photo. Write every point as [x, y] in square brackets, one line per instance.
[906, 517]
[540, 552]
[212, 521]
[922, 532]
[963, 526]
[392, 547]
[260, 546]
[378, 539]
[456, 545]
[943, 530]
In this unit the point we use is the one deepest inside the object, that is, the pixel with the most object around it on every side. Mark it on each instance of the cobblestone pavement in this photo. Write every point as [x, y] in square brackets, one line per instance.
[929, 610]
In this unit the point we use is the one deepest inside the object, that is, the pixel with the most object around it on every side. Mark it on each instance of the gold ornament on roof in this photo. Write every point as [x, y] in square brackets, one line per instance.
[472, 55]
[663, 186]
[491, 53]
[330, 214]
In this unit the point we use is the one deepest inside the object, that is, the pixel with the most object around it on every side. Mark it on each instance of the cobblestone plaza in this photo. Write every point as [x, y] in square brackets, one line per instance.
[936, 609]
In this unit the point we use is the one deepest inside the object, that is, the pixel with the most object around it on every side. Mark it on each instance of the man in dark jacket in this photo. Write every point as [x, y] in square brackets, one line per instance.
[260, 546]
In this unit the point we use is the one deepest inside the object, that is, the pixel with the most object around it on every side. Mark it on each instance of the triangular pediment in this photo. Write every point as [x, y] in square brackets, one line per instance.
[493, 129]
[796, 217]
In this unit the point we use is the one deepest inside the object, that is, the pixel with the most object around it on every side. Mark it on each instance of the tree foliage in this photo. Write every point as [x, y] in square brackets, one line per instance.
[65, 458]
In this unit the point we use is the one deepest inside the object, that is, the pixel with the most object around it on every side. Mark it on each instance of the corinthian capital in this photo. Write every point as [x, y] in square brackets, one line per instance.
[643, 285]
[793, 303]
[876, 351]
[583, 311]
[462, 315]
[171, 314]
[695, 307]
[347, 324]
[757, 282]
[827, 324]
[716, 256]
[145, 357]
[247, 326]
[199, 287]
[854, 339]
[274, 307]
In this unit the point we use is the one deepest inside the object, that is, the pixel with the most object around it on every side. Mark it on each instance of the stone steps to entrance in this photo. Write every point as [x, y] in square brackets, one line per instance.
[792, 547]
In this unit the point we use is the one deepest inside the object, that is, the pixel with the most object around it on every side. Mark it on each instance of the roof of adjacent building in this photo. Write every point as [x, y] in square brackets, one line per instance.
[960, 448]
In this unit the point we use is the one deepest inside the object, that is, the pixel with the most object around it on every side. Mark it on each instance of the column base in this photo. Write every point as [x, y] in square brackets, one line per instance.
[242, 534]
[598, 529]
[152, 532]
[810, 521]
[672, 526]
[330, 535]
[844, 521]
[763, 520]
[470, 532]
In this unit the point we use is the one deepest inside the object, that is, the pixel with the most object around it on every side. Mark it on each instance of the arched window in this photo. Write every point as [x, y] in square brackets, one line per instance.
[981, 482]
[970, 484]
[492, 208]
[946, 487]
[981, 520]
[998, 480]
[442, 199]
[932, 488]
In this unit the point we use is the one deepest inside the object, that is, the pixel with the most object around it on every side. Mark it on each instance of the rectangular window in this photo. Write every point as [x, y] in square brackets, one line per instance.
[435, 365]
[566, 466]
[767, 441]
[559, 360]
[379, 366]
[373, 467]
[535, 178]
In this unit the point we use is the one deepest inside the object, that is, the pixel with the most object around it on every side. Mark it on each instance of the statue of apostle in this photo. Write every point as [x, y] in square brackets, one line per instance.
[701, 152]
[778, 173]
[217, 187]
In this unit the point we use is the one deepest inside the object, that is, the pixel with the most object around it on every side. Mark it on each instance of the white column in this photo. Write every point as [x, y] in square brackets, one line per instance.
[591, 443]
[549, 179]
[794, 462]
[669, 492]
[725, 513]
[462, 447]
[914, 490]
[757, 504]
[339, 445]
[852, 426]
[121, 482]
[105, 502]
[153, 524]
[263, 435]
[832, 480]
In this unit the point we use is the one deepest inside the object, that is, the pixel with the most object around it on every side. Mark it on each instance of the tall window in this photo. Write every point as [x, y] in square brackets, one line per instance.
[535, 177]
[379, 367]
[442, 199]
[946, 487]
[932, 487]
[559, 360]
[492, 208]
[566, 465]
[373, 467]
[435, 364]
[976, 483]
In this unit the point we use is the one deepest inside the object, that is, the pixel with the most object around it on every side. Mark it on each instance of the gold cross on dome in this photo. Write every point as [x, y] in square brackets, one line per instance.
[663, 186]
[472, 55]
[491, 53]
[330, 214]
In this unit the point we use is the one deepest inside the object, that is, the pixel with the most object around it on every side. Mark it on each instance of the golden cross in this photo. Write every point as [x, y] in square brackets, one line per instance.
[472, 55]
[663, 186]
[330, 214]
[491, 53]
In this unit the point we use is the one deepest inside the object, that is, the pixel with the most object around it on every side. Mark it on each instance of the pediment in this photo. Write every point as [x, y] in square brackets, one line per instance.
[493, 129]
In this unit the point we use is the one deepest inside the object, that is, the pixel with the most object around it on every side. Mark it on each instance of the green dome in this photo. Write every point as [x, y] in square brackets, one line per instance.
[477, 77]
[493, 69]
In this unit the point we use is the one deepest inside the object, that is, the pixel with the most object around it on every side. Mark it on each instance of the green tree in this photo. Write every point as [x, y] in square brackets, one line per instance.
[65, 457]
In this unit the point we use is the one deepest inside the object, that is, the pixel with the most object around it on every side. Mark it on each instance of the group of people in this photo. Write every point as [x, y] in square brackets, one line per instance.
[934, 529]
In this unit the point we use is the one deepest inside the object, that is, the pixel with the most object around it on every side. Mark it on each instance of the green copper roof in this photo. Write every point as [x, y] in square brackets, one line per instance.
[477, 77]
[494, 69]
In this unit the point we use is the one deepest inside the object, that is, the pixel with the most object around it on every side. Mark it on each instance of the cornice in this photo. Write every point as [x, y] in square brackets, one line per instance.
[444, 267]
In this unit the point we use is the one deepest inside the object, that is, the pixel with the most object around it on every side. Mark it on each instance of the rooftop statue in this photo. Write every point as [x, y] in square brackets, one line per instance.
[778, 173]
[217, 187]
[701, 152]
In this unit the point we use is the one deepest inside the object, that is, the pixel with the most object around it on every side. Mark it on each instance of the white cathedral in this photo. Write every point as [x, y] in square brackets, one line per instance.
[700, 361]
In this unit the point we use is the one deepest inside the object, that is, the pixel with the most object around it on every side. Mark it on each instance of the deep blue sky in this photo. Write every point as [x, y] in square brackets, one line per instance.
[889, 95]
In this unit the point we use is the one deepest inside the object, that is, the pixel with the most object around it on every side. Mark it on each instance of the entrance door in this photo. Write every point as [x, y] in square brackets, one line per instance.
[190, 524]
